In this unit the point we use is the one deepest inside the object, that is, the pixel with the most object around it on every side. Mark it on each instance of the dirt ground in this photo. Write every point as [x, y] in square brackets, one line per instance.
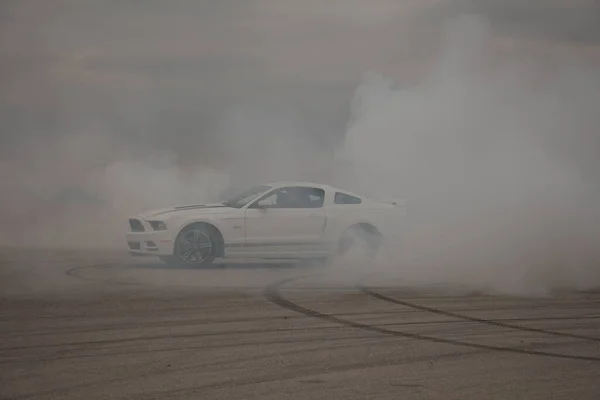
[86, 325]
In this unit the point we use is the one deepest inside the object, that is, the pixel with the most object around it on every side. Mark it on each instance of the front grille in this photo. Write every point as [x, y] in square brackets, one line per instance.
[134, 245]
[136, 225]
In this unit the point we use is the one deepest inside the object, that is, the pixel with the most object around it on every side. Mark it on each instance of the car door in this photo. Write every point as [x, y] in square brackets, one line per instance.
[288, 219]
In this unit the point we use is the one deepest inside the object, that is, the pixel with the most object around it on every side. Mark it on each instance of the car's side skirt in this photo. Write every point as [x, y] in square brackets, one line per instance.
[278, 250]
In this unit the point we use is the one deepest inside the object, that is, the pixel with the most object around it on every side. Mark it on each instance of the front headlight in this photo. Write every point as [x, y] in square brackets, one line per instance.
[158, 225]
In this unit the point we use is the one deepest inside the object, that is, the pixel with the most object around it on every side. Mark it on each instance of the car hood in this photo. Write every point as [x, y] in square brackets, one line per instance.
[213, 208]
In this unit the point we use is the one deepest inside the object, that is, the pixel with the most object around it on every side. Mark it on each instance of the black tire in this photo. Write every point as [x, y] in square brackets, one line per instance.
[356, 236]
[195, 246]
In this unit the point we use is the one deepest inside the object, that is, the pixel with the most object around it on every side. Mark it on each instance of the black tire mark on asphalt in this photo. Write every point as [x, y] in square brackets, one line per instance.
[170, 336]
[168, 371]
[346, 368]
[187, 336]
[210, 334]
[273, 294]
[73, 272]
[249, 381]
[309, 372]
[181, 324]
[437, 311]
[153, 337]
[21, 318]
[186, 348]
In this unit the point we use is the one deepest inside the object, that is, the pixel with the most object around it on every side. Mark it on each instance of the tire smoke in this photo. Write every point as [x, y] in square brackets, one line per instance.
[490, 162]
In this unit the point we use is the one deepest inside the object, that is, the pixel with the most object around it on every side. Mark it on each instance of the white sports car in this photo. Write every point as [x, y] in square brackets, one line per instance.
[282, 220]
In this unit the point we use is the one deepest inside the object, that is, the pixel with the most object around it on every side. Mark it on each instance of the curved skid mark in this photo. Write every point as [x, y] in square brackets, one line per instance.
[172, 371]
[274, 296]
[73, 273]
[152, 325]
[437, 311]
[186, 348]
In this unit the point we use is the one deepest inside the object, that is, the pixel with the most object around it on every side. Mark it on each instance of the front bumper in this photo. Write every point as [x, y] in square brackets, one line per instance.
[150, 242]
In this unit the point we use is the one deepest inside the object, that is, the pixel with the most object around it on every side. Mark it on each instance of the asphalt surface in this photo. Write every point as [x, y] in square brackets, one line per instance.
[85, 325]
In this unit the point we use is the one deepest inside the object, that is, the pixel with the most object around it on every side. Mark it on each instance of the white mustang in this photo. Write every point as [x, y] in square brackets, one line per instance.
[282, 220]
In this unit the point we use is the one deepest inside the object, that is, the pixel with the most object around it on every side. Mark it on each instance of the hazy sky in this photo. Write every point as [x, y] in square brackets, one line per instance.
[165, 71]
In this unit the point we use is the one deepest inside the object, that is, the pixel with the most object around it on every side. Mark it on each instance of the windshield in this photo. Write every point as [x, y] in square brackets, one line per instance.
[241, 199]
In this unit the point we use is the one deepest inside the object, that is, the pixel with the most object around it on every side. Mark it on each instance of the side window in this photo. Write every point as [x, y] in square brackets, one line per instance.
[293, 197]
[317, 197]
[343, 198]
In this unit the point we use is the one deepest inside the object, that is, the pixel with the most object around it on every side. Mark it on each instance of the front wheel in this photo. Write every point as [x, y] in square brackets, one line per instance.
[194, 246]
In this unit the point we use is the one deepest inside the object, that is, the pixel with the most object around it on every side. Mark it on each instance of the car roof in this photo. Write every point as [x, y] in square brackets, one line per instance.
[309, 184]
[298, 183]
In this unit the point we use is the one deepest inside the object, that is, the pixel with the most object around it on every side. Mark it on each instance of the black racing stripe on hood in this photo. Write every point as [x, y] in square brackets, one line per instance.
[185, 208]
[199, 206]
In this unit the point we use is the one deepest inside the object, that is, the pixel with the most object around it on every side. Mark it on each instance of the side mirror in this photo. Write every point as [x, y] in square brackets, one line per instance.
[261, 205]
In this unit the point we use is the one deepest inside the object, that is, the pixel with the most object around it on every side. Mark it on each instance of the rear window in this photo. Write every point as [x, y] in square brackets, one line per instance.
[343, 198]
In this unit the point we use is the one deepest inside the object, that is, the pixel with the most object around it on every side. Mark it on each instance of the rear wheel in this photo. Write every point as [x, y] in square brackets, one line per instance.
[357, 237]
[194, 246]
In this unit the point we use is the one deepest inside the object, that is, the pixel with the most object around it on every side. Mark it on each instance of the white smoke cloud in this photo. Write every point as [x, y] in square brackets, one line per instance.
[495, 200]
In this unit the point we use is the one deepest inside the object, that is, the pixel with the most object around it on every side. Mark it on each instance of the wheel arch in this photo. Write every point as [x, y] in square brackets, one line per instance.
[365, 226]
[365, 230]
[218, 235]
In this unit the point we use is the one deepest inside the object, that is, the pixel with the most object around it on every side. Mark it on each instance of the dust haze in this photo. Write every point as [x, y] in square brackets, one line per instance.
[486, 123]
